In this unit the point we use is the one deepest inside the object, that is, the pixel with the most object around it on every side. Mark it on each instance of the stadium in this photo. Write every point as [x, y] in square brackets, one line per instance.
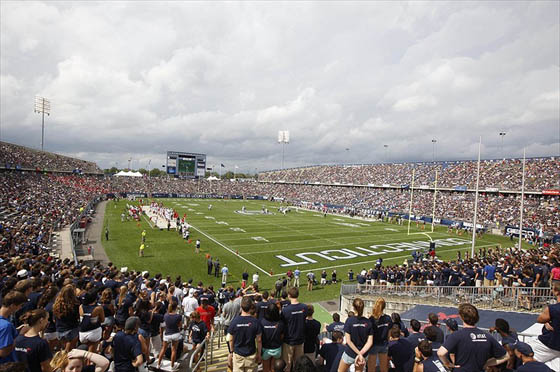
[191, 263]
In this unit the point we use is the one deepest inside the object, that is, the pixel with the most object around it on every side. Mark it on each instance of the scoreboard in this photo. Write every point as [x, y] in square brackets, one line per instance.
[186, 164]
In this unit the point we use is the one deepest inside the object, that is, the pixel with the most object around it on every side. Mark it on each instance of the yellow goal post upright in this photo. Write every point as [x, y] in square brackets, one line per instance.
[433, 204]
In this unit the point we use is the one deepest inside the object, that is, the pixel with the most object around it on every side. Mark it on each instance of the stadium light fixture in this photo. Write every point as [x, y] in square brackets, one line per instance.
[284, 139]
[502, 135]
[385, 146]
[434, 141]
[42, 106]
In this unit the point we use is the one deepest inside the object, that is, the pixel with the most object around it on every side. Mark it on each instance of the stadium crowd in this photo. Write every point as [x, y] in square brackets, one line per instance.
[14, 156]
[56, 315]
[541, 174]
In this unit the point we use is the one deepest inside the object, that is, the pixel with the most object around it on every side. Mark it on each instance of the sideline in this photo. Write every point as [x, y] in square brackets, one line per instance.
[95, 233]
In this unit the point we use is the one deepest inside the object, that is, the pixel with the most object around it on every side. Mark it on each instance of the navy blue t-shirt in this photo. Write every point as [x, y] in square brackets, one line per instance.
[402, 355]
[172, 323]
[381, 328]
[312, 330]
[359, 329]
[329, 353]
[33, 351]
[126, 348]
[272, 333]
[198, 331]
[433, 364]
[472, 348]
[439, 333]
[294, 316]
[415, 338]
[335, 326]
[157, 319]
[552, 339]
[244, 330]
[261, 308]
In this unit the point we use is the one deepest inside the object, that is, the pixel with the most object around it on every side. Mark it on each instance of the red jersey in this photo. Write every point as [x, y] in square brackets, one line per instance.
[207, 316]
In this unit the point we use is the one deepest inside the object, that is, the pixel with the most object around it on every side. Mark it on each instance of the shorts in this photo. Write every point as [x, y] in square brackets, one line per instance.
[91, 336]
[379, 349]
[69, 335]
[144, 333]
[51, 336]
[350, 360]
[430, 282]
[248, 363]
[271, 353]
[173, 337]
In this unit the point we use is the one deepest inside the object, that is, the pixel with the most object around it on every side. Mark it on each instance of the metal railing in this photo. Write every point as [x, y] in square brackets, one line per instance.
[524, 299]
[202, 357]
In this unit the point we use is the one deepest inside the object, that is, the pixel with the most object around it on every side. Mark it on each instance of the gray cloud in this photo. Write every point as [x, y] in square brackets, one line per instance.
[138, 79]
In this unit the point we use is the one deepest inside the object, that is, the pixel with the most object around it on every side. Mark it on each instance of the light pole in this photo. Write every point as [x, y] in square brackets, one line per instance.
[347, 152]
[502, 135]
[385, 146]
[42, 106]
[149, 162]
[129, 160]
[434, 150]
[284, 139]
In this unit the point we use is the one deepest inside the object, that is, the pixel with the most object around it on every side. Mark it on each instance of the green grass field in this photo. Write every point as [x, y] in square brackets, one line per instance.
[271, 244]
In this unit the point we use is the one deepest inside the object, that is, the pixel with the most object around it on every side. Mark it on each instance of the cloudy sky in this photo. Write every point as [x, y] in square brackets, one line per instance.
[136, 79]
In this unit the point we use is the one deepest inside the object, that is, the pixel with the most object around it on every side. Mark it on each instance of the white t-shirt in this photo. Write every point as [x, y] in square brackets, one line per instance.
[190, 304]
[255, 278]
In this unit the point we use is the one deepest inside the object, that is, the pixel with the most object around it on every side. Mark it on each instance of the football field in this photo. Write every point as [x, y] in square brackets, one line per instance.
[243, 237]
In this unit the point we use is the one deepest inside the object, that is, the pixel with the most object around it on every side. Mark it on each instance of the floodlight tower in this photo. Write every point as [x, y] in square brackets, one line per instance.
[284, 139]
[385, 146]
[434, 141]
[42, 106]
[502, 135]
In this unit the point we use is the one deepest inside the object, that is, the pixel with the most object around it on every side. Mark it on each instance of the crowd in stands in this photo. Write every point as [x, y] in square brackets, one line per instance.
[17, 157]
[541, 174]
[56, 315]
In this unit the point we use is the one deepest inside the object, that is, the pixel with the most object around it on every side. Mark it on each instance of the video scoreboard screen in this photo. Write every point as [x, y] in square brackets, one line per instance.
[186, 164]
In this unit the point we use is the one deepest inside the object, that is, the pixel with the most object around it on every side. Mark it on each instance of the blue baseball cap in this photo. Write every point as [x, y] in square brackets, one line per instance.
[523, 348]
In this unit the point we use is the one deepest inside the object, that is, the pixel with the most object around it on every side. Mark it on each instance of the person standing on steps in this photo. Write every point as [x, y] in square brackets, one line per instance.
[209, 264]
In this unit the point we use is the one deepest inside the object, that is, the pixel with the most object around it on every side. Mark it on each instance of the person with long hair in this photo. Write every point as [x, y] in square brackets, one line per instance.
[358, 333]
[30, 347]
[66, 311]
[381, 324]
[92, 317]
[46, 302]
[272, 336]
[75, 361]
[127, 297]
[172, 334]
[106, 302]
[142, 311]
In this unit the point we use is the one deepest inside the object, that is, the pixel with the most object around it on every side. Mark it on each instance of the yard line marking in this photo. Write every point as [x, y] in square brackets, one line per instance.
[229, 250]
[143, 215]
[385, 259]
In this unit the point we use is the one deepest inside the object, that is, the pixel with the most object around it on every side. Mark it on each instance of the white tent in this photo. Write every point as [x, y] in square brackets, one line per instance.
[128, 174]
[212, 178]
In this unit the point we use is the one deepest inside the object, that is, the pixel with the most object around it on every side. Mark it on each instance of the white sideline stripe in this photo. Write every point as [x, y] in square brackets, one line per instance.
[148, 221]
[385, 259]
[229, 250]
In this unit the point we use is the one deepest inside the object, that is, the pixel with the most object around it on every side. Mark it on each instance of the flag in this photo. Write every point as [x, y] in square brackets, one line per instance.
[223, 166]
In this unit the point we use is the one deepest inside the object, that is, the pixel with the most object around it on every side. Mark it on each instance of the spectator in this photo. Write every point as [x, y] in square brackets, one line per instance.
[312, 329]
[473, 348]
[11, 303]
[207, 313]
[381, 324]
[197, 334]
[524, 352]
[272, 336]
[293, 316]
[75, 361]
[127, 348]
[244, 331]
[336, 325]
[304, 364]
[400, 351]
[426, 360]
[279, 365]
[30, 347]
[433, 319]
[330, 351]
[359, 338]
[92, 317]
[66, 311]
[416, 336]
[547, 345]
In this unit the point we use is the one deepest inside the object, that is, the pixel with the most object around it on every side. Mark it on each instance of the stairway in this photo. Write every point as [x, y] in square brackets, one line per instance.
[219, 356]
